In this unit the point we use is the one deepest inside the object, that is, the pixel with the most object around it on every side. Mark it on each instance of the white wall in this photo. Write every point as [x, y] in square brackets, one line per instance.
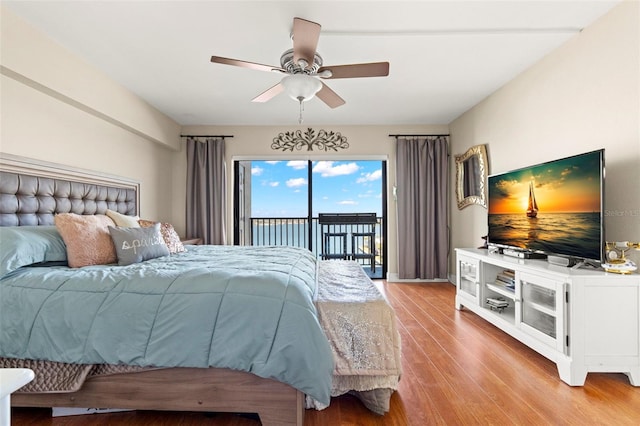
[583, 96]
[364, 142]
[59, 109]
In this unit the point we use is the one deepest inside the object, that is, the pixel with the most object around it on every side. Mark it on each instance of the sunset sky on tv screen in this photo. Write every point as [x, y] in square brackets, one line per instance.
[570, 185]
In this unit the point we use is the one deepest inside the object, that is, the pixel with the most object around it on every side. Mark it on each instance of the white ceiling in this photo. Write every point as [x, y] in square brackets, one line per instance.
[445, 56]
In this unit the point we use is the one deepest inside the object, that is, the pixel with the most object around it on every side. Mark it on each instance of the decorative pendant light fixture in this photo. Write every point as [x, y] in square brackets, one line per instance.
[301, 87]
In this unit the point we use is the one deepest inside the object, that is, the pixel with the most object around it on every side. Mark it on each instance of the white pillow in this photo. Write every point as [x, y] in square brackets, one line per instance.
[123, 220]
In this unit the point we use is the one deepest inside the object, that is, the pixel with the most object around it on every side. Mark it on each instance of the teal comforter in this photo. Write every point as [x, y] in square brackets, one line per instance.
[244, 308]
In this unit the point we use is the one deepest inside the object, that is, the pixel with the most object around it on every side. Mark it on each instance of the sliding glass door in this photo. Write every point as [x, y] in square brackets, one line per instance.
[279, 202]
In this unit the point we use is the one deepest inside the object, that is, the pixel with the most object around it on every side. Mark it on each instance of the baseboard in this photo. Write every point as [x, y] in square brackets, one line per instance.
[393, 278]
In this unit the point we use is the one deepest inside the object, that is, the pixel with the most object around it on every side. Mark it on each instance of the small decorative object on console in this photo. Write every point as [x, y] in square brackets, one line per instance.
[485, 243]
[616, 261]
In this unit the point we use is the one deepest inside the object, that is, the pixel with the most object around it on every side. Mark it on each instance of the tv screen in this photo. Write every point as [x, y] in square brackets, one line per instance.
[554, 207]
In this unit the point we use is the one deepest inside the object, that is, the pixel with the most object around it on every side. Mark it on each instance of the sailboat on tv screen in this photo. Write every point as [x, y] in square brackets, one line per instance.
[532, 208]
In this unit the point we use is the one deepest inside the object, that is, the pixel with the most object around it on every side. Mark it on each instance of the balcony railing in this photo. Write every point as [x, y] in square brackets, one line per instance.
[294, 231]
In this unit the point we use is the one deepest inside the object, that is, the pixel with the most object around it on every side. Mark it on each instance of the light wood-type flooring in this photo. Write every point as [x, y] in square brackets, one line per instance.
[458, 370]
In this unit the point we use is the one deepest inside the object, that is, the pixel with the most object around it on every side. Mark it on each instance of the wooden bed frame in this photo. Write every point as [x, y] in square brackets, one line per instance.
[182, 389]
[171, 389]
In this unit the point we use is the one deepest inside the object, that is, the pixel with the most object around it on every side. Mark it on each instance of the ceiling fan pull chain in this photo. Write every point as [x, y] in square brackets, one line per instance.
[300, 99]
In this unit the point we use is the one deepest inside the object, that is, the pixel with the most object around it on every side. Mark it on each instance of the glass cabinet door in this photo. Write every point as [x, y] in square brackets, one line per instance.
[468, 276]
[541, 306]
[539, 309]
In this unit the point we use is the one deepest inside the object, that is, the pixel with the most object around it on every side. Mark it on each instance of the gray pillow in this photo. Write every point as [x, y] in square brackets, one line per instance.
[135, 245]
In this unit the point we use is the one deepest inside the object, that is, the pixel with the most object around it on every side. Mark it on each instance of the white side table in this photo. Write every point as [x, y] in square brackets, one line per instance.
[11, 379]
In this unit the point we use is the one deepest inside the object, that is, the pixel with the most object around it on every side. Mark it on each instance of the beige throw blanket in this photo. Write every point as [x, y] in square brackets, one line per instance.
[361, 328]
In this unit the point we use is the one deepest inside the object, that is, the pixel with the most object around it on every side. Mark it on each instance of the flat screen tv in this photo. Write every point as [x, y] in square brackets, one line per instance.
[554, 208]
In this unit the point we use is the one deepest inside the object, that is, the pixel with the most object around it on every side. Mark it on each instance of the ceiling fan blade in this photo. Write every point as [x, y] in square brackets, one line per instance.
[269, 93]
[373, 69]
[329, 97]
[245, 64]
[305, 40]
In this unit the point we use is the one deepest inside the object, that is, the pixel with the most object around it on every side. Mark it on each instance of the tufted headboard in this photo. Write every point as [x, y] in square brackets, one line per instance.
[32, 192]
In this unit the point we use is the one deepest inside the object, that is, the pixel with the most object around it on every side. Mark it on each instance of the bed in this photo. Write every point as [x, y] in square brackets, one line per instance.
[214, 286]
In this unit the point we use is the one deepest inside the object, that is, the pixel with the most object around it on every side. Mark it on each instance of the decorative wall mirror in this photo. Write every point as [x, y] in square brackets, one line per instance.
[471, 175]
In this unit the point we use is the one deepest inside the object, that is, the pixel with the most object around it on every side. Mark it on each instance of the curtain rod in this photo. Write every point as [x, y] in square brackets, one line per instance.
[206, 136]
[395, 136]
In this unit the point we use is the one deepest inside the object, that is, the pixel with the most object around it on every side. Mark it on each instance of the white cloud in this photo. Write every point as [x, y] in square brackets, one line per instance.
[256, 171]
[370, 177]
[327, 169]
[294, 183]
[297, 164]
[272, 162]
[348, 203]
[367, 194]
[274, 184]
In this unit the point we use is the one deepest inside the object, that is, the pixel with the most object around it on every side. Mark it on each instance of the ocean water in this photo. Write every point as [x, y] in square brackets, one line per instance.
[295, 232]
[573, 234]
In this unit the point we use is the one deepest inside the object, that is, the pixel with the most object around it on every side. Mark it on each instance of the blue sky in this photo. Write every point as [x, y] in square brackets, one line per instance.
[279, 188]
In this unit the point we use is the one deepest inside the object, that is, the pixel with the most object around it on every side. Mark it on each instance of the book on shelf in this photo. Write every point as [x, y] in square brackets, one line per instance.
[504, 279]
[509, 272]
[511, 286]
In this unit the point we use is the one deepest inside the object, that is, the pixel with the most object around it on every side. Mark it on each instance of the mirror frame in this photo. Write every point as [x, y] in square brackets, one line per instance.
[480, 152]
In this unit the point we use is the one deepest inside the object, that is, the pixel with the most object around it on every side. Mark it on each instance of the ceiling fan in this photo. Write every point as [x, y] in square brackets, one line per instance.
[304, 69]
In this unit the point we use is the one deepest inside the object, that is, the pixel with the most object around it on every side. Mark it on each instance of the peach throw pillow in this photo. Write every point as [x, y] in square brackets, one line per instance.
[87, 239]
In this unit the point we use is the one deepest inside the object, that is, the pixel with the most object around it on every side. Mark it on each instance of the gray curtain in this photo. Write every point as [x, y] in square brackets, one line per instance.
[206, 190]
[422, 180]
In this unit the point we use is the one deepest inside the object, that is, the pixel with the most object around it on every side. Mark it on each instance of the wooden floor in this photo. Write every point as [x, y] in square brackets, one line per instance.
[458, 370]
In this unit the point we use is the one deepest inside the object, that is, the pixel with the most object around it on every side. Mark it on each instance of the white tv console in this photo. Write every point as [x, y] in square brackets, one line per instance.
[584, 320]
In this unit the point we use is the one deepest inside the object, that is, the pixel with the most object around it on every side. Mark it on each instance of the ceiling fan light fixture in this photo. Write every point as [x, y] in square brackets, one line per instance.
[304, 71]
[301, 87]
